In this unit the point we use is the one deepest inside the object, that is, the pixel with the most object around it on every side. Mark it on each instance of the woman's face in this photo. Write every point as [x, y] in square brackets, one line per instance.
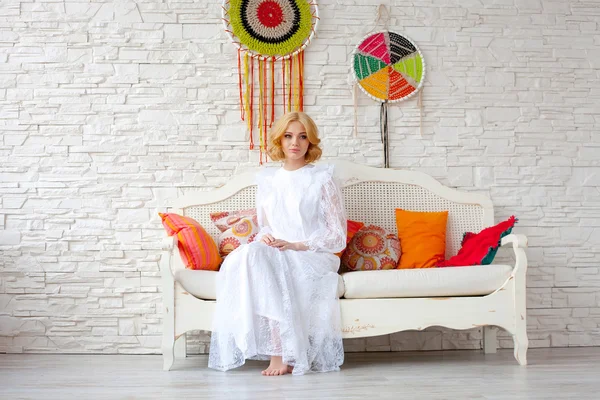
[295, 141]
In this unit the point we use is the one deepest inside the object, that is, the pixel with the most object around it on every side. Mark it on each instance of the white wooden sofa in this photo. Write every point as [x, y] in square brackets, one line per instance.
[372, 302]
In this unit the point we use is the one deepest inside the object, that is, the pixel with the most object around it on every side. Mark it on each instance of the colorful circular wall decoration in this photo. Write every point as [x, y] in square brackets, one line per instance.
[388, 67]
[270, 27]
[266, 33]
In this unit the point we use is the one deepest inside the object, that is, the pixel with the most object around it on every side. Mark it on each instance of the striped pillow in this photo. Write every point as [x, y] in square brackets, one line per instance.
[196, 247]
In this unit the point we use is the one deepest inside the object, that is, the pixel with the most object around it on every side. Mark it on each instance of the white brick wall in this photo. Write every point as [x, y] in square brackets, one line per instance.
[109, 108]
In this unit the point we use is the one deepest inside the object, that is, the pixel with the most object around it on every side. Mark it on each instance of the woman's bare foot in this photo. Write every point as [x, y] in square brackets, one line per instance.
[277, 367]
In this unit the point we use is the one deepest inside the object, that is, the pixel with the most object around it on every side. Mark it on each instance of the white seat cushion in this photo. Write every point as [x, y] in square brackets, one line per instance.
[427, 282]
[201, 283]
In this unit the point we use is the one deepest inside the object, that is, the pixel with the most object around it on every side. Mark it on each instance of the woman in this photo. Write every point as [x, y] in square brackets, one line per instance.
[276, 296]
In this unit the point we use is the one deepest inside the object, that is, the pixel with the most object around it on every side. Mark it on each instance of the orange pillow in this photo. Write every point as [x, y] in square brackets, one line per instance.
[352, 228]
[422, 237]
[196, 247]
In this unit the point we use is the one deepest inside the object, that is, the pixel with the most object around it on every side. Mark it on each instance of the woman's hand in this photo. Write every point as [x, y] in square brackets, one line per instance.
[285, 245]
[267, 239]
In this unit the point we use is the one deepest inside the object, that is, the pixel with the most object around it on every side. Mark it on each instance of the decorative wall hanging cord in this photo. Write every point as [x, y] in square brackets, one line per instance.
[389, 68]
[269, 31]
[420, 104]
[383, 119]
[355, 102]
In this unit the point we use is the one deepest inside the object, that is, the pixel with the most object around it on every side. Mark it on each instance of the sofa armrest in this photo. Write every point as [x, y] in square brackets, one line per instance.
[516, 240]
[167, 245]
[519, 244]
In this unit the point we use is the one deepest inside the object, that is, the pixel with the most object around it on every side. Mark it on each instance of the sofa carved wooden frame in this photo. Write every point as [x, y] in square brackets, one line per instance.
[370, 195]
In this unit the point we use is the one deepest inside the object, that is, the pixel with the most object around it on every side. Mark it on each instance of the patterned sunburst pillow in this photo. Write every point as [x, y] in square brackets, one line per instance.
[372, 248]
[237, 228]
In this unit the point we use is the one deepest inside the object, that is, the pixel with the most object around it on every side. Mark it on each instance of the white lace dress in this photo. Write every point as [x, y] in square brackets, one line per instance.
[284, 303]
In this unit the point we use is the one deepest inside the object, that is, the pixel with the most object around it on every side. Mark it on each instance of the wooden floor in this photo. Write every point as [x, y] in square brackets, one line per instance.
[552, 374]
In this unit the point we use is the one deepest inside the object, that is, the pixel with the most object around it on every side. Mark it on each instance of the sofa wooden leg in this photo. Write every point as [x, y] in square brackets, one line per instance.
[180, 347]
[521, 343]
[168, 354]
[489, 339]
[168, 340]
[519, 335]
[168, 311]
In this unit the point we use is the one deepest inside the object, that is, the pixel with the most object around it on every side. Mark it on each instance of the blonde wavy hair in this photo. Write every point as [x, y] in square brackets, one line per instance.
[276, 152]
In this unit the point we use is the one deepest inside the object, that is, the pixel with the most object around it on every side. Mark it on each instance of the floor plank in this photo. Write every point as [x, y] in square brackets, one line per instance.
[552, 374]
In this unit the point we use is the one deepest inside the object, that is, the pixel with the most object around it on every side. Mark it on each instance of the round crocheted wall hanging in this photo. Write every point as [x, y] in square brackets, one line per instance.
[267, 32]
[270, 27]
[388, 67]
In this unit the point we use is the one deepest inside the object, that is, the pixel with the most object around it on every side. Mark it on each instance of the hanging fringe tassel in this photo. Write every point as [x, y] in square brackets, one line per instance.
[250, 97]
[242, 109]
[283, 64]
[265, 109]
[260, 106]
[296, 83]
[383, 123]
[355, 102]
[301, 80]
[290, 80]
[272, 91]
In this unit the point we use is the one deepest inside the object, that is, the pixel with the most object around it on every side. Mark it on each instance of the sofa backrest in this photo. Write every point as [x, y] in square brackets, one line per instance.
[371, 195]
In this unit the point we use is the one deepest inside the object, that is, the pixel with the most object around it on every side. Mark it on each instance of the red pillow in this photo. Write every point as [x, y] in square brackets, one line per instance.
[353, 227]
[480, 248]
[196, 247]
